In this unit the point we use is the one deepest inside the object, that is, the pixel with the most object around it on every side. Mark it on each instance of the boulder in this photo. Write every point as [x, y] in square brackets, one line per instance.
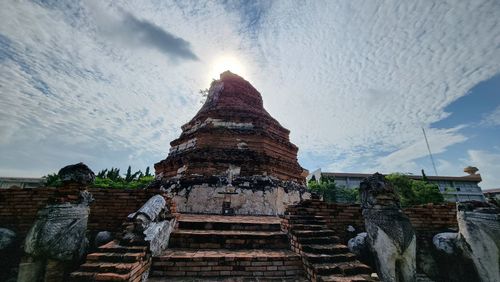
[7, 238]
[77, 173]
[358, 245]
[102, 238]
[446, 242]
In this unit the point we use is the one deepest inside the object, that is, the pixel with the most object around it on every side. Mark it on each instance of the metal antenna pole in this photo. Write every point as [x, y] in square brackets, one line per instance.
[430, 154]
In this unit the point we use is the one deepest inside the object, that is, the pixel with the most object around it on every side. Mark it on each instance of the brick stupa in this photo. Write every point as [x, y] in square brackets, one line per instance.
[232, 128]
[232, 140]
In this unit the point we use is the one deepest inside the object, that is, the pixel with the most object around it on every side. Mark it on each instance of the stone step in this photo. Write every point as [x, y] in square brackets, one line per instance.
[307, 221]
[325, 258]
[113, 262]
[304, 216]
[301, 210]
[115, 257]
[331, 249]
[219, 263]
[229, 279]
[313, 233]
[308, 227]
[228, 239]
[343, 268]
[340, 278]
[91, 276]
[314, 203]
[114, 247]
[98, 267]
[327, 240]
[242, 226]
[81, 276]
[218, 222]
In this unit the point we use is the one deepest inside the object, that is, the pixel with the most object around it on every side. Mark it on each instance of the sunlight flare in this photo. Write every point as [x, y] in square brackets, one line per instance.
[224, 63]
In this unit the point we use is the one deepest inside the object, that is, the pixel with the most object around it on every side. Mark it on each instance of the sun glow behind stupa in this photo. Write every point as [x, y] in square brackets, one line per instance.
[224, 63]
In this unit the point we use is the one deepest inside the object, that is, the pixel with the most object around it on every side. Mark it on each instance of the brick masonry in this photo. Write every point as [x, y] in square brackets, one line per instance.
[426, 219]
[18, 207]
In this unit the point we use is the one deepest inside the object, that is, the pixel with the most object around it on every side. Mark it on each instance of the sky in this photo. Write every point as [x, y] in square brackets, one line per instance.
[110, 83]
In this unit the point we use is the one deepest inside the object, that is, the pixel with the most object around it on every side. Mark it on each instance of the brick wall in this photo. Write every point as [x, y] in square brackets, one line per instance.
[431, 218]
[426, 219]
[18, 207]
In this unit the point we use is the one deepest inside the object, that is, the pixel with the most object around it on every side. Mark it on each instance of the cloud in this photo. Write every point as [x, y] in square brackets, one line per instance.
[492, 119]
[353, 81]
[353, 78]
[489, 165]
[439, 141]
[128, 30]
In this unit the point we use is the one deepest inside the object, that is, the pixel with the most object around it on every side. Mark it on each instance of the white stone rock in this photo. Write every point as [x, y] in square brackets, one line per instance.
[358, 244]
[208, 200]
[445, 242]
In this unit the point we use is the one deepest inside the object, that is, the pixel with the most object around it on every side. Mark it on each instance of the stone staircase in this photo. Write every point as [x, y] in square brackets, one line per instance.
[324, 257]
[113, 262]
[215, 247]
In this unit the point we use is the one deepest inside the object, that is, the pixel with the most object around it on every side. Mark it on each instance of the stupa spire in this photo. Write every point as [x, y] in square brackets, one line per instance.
[232, 128]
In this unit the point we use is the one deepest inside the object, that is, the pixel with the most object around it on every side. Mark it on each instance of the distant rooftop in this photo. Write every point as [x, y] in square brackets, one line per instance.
[471, 178]
[21, 182]
[492, 191]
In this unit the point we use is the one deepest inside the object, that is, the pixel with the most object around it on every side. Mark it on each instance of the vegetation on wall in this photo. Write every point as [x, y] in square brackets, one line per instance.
[331, 193]
[411, 192]
[111, 178]
[414, 192]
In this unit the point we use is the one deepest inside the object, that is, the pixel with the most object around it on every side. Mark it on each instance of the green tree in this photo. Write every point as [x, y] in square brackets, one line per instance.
[326, 187]
[347, 195]
[426, 192]
[52, 180]
[129, 177]
[102, 173]
[414, 192]
[402, 186]
[111, 178]
[332, 193]
[113, 174]
[147, 172]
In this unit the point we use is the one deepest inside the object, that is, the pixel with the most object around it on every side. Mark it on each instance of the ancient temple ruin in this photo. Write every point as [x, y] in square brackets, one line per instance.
[234, 141]
[229, 203]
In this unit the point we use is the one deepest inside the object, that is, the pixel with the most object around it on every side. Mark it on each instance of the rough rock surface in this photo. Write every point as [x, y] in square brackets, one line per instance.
[255, 195]
[358, 244]
[77, 173]
[102, 238]
[479, 228]
[446, 242]
[56, 240]
[232, 128]
[476, 246]
[7, 238]
[59, 231]
[390, 234]
[152, 224]
[9, 255]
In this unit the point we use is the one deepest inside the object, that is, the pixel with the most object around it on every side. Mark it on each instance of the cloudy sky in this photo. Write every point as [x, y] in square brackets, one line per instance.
[110, 83]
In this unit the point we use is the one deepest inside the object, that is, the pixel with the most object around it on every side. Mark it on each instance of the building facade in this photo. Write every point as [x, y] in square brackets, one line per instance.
[21, 182]
[493, 193]
[455, 188]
